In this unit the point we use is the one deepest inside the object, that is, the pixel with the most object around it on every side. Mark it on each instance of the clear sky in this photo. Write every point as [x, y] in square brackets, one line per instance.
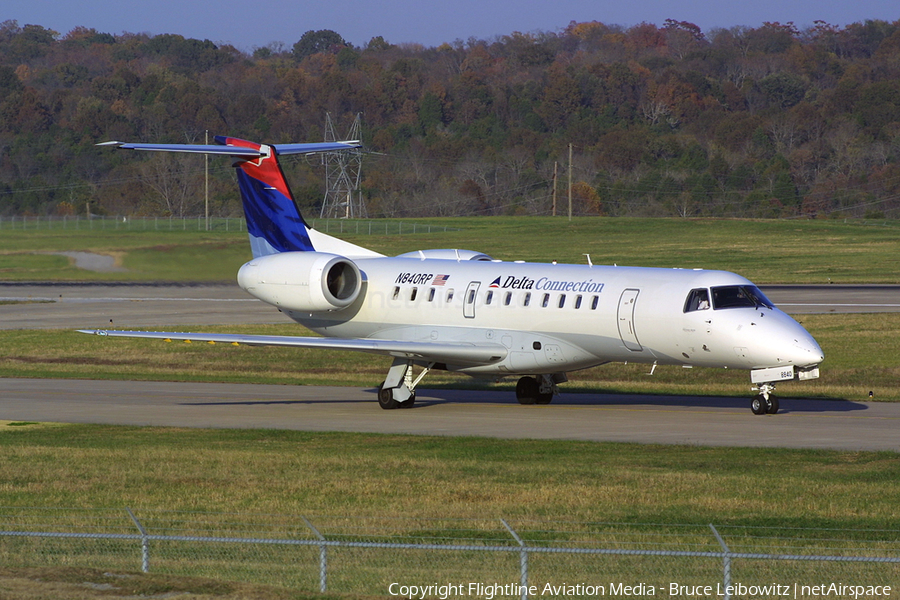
[248, 24]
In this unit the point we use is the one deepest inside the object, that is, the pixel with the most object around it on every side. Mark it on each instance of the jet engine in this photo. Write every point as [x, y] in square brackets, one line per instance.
[302, 281]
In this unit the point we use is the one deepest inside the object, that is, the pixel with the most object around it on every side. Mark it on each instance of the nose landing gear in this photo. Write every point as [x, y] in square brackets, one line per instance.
[766, 402]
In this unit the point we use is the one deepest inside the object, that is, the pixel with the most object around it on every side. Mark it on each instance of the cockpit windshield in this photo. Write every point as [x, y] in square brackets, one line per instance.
[739, 296]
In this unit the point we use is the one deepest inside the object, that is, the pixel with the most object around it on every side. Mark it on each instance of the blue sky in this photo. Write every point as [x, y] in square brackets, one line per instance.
[249, 25]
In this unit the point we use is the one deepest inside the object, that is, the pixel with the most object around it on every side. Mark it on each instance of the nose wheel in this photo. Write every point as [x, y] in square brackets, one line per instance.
[766, 402]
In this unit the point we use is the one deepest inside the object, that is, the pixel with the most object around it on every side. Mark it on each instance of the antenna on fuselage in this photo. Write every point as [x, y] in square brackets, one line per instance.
[590, 264]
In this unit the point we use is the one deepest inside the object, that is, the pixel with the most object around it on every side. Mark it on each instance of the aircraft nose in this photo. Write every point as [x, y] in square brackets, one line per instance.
[795, 345]
[806, 352]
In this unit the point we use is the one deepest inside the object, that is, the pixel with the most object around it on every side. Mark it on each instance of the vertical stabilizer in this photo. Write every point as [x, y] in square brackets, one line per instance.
[274, 222]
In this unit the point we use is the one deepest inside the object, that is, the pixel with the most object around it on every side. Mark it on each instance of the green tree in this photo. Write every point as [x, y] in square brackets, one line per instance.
[314, 42]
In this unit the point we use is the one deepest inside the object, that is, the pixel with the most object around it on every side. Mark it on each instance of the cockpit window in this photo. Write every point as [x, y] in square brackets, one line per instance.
[739, 296]
[697, 300]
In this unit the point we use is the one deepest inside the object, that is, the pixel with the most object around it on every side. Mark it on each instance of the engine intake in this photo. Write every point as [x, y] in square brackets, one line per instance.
[302, 281]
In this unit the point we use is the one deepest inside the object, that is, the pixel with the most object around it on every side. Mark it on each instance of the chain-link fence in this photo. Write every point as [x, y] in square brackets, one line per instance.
[218, 224]
[478, 558]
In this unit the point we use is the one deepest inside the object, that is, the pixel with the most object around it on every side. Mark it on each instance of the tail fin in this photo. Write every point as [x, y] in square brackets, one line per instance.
[274, 222]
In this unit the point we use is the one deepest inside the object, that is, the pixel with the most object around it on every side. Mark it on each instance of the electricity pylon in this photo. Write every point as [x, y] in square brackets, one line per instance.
[343, 170]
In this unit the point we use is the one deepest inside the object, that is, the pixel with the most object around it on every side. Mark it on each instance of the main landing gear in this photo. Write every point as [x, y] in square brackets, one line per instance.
[538, 390]
[399, 388]
[766, 402]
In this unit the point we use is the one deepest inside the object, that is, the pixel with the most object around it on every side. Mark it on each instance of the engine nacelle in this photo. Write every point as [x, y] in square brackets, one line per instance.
[302, 281]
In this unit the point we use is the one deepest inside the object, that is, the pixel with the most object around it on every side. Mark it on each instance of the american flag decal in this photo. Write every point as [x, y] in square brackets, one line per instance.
[440, 279]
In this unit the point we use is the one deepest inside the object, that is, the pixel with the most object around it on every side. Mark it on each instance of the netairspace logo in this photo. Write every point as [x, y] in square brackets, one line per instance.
[490, 591]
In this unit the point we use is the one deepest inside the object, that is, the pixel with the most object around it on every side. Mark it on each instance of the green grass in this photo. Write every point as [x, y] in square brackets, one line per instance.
[289, 472]
[860, 350]
[765, 251]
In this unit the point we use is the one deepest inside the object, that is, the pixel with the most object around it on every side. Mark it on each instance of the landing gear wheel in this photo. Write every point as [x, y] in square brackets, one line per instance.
[386, 398]
[527, 390]
[545, 398]
[408, 403]
[759, 405]
[772, 404]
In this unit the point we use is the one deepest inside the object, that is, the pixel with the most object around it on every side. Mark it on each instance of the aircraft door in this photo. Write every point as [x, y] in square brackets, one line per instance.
[626, 320]
[469, 299]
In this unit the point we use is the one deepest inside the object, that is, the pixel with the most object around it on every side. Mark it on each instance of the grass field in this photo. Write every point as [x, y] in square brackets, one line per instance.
[763, 251]
[289, 472]
[860, 350]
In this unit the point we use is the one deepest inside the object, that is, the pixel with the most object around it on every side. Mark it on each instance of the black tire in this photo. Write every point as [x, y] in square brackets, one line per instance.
[772, 404]
[386, 398]
[758, 405]
[527, 390]
[545, 398]
[409, 403]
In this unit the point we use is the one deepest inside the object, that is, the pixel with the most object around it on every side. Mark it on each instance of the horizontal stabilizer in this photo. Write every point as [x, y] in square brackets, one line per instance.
[463, 354]
[307, 148]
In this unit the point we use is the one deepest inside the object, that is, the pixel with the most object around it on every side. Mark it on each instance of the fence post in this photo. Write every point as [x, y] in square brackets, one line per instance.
[323, 557]
[145, 546]
[523, 559]
[726, 566]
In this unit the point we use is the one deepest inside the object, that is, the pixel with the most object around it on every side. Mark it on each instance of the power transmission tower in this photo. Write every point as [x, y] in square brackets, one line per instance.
[343, 170]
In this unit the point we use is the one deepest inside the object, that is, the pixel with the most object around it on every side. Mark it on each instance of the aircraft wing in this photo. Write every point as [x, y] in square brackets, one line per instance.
[456, 353]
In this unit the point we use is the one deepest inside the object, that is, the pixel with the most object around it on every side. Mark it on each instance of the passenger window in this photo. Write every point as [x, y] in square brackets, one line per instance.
[471, 299]
[413, 294]
[449, 296]
[488, 297]
[431, 295]
[545, 301]
[594, 302]
[562, 300]
[578, 301]
[508, 299]
[396, 293]
[527, 299]
[697, 300]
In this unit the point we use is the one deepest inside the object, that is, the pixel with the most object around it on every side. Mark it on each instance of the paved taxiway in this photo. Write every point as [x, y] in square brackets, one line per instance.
[606, 417]
[837, 425]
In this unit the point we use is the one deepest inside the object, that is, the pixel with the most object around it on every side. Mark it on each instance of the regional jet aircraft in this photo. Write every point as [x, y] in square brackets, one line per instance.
[463, 311]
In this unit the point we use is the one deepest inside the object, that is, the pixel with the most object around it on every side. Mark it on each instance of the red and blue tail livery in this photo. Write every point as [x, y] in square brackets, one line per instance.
[274, 222]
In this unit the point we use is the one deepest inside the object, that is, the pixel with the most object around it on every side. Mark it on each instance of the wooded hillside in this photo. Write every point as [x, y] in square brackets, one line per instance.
[671, 120]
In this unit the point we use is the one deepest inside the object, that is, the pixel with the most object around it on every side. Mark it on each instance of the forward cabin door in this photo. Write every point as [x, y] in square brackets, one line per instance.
[469, 299]
[626, 320]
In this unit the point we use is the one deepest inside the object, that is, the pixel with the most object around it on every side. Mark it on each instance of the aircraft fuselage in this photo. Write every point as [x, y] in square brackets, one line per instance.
[556, 318]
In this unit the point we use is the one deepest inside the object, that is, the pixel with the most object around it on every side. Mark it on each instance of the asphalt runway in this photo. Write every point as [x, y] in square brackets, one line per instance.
[597, 417]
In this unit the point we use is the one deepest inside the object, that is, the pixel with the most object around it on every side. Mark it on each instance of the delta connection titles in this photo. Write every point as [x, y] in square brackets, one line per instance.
[489, 591]
[587, 286]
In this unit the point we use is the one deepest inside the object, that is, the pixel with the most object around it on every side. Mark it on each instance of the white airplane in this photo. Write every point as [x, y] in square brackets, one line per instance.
[463, 311]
